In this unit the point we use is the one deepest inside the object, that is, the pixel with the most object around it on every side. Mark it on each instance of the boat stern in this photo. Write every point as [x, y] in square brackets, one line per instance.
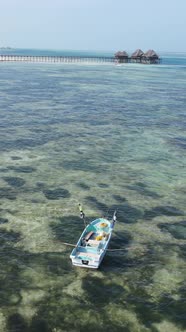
[88, 260]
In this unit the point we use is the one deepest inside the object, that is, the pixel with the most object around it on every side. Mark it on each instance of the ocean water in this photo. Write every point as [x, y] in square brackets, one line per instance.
[108, 137]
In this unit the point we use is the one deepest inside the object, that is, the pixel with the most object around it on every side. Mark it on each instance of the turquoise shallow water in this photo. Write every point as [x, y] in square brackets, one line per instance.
[110, 137]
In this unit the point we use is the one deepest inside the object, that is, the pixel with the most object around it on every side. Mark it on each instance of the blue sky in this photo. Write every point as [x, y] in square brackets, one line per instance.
[108, 25]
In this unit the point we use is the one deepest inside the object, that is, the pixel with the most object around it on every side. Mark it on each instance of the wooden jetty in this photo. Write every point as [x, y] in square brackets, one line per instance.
[56, 59]
[150, 57]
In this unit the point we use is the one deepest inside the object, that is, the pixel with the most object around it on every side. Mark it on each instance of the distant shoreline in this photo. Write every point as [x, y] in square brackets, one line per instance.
[6, 48]
[85, 51]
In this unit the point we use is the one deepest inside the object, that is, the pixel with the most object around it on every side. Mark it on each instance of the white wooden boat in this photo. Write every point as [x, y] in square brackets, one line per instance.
[92, 244]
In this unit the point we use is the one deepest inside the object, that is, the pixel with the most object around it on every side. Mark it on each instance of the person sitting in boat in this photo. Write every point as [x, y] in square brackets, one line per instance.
[83, 242]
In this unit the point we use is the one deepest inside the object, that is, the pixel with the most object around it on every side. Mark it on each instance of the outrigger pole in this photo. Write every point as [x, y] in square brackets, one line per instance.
[82, 215]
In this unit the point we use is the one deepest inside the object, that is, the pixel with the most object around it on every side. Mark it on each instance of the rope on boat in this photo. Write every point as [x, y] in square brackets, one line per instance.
[69, 244]
[118, 249]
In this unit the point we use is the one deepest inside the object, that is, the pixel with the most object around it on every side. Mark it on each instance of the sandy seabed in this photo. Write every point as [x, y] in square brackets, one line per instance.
[110, 137]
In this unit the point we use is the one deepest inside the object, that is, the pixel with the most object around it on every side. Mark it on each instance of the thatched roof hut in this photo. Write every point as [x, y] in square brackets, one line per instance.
[121, 56]
[137, 57]
[150, 57]
[151, 54]
[137, 54]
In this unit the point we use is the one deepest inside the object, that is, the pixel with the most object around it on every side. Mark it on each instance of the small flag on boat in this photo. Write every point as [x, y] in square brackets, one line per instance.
[82, 215]
[114, 219]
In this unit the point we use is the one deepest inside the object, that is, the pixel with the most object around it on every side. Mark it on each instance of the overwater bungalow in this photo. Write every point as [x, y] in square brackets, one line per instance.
[121, 57]
[150, 57]
[137, 56]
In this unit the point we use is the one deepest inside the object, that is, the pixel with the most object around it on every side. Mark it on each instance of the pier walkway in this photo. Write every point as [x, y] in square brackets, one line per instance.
[57, 59]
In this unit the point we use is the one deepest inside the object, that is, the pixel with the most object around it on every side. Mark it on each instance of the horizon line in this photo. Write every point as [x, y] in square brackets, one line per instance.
[80, 50]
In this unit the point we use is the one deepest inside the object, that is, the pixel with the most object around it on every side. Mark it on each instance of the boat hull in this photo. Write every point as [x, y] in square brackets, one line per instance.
[91, 246]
